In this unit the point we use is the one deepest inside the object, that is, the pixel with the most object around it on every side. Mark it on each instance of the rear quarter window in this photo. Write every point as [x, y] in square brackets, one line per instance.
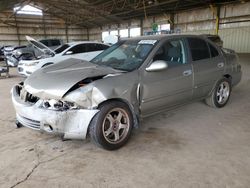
[199, 49]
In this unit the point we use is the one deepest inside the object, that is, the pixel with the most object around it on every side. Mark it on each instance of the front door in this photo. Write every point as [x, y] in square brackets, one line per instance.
[170, 87]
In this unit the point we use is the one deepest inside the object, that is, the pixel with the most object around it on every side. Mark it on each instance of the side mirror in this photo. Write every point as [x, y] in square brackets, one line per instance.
[158, 65]
[68, 53]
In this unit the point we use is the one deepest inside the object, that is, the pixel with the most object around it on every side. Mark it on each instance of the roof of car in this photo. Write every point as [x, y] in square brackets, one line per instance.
[82, 42]
[159, 37]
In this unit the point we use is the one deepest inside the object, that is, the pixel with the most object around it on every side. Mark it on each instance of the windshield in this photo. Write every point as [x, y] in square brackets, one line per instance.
[125, 55]
[61, 48]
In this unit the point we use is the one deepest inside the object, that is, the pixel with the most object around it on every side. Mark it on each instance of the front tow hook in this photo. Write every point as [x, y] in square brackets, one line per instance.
[18, 124]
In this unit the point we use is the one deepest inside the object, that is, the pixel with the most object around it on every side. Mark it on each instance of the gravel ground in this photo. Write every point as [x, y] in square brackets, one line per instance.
[192, 147]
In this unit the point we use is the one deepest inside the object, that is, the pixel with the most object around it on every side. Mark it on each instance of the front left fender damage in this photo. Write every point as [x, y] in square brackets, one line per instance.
[71, 124]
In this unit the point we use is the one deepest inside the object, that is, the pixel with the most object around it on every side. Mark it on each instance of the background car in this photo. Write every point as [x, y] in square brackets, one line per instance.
[29, 52]
[8, 54]
[85, 50]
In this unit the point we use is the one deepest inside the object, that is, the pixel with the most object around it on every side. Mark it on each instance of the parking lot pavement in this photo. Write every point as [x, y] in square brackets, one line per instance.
[193, 146]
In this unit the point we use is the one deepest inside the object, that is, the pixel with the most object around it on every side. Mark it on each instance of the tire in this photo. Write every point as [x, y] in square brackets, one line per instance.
[18, 124]
[116, 121]
[220, 94]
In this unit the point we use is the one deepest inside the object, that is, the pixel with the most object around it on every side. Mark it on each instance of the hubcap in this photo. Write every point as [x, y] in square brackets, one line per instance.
[222, 93]
[115, 126]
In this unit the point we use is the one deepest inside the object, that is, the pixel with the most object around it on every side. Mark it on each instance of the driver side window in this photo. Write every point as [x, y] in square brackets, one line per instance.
[172, 52]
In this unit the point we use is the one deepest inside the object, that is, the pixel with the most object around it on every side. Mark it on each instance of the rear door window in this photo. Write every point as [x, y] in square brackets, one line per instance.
[90, 47]
[199, 49]
[102, 46]
[80, 48]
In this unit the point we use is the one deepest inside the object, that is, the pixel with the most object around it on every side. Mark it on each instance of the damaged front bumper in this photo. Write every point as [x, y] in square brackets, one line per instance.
[71, 124]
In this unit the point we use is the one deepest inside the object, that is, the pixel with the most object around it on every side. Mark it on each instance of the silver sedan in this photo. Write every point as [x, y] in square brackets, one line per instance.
[108, 96]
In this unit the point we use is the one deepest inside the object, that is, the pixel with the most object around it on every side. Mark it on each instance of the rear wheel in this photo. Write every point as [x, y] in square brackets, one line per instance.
[111, 127]
[220, 94]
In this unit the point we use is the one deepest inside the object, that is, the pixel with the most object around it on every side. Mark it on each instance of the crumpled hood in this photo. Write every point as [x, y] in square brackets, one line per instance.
[54, 81]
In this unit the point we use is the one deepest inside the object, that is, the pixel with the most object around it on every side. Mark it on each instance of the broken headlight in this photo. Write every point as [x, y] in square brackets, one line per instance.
[53, 104]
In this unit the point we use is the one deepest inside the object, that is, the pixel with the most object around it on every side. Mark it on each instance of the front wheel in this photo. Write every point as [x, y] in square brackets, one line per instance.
[112, 125]
[221, 93]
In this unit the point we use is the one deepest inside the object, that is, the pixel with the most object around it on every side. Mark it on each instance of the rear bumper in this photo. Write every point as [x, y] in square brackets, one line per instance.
[71, 124]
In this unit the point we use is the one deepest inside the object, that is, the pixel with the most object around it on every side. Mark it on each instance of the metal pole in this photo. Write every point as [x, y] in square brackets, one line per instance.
[217, 20]
[17, 31]
[66, 32]
[44, 29]
[141, 25]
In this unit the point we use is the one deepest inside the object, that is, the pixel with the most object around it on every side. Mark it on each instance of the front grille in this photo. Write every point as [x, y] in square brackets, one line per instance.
[33, 124]
[31, 98]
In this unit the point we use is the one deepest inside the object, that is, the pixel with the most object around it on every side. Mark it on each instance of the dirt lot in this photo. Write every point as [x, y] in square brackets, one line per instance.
[192, 147]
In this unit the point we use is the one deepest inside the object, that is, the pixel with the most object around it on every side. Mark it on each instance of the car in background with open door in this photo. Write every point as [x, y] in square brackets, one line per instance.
[14, 54]
[84, 50]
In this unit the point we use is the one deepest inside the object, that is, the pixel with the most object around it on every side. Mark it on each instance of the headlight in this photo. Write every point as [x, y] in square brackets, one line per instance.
[59, 105]
[33, 63]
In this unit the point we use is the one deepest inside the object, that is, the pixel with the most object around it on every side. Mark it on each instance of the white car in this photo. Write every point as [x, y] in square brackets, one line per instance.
[84, 50]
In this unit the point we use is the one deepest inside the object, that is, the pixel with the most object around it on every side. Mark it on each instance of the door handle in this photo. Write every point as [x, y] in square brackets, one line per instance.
[187, 72]
[220, 65]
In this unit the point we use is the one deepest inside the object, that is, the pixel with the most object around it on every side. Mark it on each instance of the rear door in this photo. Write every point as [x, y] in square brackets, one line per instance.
[208, 65]
[169, 87]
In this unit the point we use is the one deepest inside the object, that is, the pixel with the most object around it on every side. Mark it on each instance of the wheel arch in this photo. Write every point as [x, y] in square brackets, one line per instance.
[131, 108]
[228, 76]
[46, 64]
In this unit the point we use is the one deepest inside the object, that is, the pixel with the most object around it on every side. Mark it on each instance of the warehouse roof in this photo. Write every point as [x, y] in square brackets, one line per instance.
[92, 13]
